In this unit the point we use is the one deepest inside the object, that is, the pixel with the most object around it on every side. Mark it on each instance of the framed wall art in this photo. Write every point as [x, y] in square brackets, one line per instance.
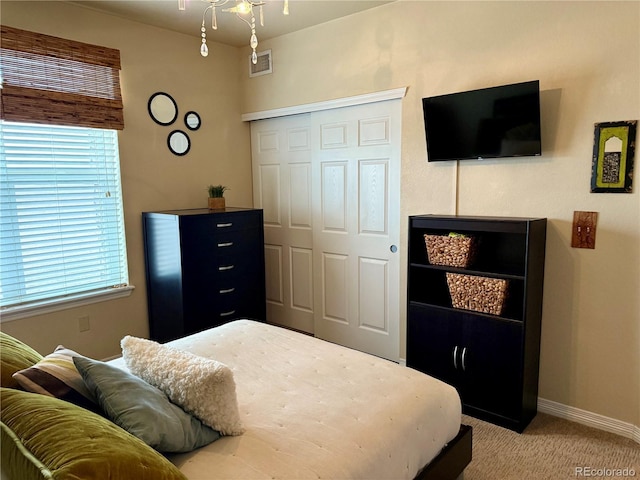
[613, 151]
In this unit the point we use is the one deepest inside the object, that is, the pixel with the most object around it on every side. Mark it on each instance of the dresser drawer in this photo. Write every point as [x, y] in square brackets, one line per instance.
[224, 223]
[234, 243]
[216, 306]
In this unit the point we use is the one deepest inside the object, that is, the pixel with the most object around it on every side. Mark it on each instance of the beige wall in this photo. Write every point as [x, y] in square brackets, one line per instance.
[587, 58]
[152, 178]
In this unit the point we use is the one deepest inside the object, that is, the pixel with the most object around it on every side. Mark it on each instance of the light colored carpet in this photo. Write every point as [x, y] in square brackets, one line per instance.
[550, 448]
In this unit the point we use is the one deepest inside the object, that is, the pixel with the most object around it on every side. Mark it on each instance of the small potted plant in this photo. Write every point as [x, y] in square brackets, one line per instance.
[216, 196]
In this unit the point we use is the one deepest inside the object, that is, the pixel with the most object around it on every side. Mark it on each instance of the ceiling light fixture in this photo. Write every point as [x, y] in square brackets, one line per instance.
[242, 9]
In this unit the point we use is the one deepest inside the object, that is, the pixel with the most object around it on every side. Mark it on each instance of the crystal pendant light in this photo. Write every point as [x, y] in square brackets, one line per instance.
[242, 7]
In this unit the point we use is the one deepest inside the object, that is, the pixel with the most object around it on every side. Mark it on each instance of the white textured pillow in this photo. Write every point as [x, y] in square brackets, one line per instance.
[203, 387]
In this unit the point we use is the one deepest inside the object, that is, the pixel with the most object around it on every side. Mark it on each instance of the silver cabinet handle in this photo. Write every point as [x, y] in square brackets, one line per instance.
[226, 314]
[224, 225]
[225, 244]
[227, 290]
[225, 267]
[455, 357]
[464, 355]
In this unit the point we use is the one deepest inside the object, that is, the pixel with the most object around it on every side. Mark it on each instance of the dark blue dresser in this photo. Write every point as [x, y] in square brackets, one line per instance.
[203, 268]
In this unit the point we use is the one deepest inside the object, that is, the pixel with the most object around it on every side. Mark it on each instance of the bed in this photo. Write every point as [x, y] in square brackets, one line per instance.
[313, 409]
[308, 408]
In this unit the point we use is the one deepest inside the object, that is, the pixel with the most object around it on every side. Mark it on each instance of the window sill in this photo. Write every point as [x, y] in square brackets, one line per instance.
[72, 301]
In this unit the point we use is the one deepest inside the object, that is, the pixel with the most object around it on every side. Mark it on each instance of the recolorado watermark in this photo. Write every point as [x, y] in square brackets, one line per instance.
[605, 472]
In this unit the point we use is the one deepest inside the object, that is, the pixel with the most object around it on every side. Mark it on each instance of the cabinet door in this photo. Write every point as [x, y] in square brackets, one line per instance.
[433, 339]
[479, 355]
[491, 363]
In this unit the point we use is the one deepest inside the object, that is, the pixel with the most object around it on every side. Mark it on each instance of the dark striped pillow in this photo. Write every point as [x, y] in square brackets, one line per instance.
[57, 376]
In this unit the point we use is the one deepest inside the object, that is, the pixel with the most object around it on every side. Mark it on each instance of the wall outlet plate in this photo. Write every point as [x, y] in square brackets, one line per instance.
[83, 323]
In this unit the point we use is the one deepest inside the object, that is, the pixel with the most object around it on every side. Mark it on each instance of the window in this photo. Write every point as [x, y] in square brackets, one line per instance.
[61, 221]
[62, 235]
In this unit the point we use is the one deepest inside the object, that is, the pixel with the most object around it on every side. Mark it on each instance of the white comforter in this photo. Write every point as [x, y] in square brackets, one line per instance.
[315, 410]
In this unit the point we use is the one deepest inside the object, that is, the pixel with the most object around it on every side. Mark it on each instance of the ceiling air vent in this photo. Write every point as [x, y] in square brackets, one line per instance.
[264, 65]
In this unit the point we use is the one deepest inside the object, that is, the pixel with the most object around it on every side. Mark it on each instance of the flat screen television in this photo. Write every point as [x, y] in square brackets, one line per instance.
[494, 122]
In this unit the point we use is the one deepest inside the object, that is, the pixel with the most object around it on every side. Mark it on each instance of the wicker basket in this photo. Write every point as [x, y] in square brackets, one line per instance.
[451, 251]
[480, 294]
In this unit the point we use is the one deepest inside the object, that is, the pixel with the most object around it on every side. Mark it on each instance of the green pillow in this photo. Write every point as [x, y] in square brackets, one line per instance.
[142, 409]
[66, 442]
[17, 461]
[14, 356]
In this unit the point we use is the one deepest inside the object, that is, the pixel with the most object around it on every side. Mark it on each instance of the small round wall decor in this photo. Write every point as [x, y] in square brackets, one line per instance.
[192, 120]
[179, 142]
[162, 108]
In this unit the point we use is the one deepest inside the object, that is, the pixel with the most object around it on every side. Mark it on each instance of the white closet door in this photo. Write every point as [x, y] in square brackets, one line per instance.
[281, 151]
[329, 184]
[356, 192]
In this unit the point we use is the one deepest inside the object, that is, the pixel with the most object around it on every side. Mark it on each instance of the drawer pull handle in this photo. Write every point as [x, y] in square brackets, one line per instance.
[226, 314]
[227, 290]
[226, 244]
[455, 357]
[464, 355]
[225, 267]
[224, 225]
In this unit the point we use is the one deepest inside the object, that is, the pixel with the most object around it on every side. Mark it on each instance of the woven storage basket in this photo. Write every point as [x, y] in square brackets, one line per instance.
[480, 294]
[451, 251]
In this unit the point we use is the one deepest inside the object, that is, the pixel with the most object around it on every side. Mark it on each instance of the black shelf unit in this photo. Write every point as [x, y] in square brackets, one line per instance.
[203, 268]
[491, 360]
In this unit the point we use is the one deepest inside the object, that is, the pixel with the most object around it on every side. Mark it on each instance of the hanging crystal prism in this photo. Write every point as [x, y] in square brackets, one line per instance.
[261, 17]
[253, 42]
[214, 19]
[285, 9]
[204, 50]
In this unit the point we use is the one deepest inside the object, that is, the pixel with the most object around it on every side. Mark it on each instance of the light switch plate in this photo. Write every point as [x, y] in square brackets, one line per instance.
[583, 233]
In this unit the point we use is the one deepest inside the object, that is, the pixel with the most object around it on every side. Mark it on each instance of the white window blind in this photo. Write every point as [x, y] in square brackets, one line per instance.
[61, 218]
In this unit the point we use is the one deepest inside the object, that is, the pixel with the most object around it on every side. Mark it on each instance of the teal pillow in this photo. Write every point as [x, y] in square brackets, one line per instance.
[142, 409]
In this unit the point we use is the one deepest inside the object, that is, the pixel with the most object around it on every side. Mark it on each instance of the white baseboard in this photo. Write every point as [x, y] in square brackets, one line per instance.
[589, 419]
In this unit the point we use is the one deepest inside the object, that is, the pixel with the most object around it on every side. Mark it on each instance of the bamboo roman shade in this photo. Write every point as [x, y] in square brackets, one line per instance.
[56, 81]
